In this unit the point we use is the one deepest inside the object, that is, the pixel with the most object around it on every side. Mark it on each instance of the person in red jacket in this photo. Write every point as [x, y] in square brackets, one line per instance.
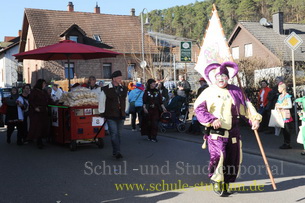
[262, 102]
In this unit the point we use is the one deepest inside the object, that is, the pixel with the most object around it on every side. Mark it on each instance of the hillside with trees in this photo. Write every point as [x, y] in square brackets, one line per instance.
[191, 20]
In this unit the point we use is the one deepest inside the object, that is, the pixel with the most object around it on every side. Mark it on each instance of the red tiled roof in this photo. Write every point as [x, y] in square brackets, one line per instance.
[122, 32]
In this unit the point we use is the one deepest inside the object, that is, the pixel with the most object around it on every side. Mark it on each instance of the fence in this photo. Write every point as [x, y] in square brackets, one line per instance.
[65, 83]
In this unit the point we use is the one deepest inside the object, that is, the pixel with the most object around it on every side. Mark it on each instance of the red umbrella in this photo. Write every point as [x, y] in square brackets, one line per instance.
[66, 49]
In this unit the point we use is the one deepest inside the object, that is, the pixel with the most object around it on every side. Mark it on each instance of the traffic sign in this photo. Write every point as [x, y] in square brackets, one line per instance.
[293, 41]
[186, 51]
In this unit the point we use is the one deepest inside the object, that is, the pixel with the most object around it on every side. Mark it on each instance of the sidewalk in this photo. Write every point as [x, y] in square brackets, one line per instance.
[270, 143]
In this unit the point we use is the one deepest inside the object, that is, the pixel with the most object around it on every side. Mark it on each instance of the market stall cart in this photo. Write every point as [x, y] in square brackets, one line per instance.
[77, 125]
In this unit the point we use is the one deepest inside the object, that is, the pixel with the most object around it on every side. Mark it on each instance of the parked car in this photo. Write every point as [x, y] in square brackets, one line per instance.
[4, 92]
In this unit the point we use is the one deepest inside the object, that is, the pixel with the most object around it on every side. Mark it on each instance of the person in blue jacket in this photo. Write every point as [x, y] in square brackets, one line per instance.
[136, 96]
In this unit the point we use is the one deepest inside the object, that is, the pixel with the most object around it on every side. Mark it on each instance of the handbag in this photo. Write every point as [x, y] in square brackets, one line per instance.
[132, 105]
[3, 108]
[276, 119]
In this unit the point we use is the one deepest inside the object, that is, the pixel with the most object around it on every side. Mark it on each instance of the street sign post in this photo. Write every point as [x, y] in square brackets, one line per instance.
[293, 41]
[143, 65]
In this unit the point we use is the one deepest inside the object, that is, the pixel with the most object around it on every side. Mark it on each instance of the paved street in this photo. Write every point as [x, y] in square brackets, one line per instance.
[55, 174]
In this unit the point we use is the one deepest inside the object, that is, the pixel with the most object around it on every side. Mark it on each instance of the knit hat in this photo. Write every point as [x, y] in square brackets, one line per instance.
[139, 86]
[116, 74]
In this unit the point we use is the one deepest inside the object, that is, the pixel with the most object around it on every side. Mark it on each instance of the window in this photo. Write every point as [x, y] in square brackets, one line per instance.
[235, 52]
[71, 70]
[248, 50]
[130, 71]
[73, 38]
[107, 70]
[97, 38]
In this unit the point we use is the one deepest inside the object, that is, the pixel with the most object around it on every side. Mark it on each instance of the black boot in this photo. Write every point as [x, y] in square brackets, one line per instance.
[226, 191]
[19, 140]
[285, 146]
[119, 156]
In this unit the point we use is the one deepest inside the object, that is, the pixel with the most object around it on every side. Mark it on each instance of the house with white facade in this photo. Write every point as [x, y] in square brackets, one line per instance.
[9, 67]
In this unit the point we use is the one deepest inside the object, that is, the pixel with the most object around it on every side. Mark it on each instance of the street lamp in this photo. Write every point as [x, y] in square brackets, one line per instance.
[143, 63]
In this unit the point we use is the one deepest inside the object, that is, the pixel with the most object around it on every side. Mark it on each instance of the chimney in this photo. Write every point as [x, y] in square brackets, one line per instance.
[19, 33]
[70, 6]
[277, 21]
[97, 9]
[133, 12]
[8, 38]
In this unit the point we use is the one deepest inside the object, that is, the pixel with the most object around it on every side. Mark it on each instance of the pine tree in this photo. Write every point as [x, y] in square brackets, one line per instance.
[247, 10]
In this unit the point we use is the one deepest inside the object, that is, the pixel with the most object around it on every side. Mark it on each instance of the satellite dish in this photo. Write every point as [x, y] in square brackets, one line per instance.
[143, 64]
[263, 21]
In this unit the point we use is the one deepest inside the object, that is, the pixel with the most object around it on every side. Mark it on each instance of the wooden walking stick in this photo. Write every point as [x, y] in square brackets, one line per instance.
[265, 159]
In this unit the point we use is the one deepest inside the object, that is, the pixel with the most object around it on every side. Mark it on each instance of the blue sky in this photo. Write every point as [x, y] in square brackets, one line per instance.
[11, 15]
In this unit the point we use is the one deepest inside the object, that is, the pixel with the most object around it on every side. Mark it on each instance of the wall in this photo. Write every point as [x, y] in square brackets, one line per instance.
[84, 68]
[258, 51]
[30, 74]
[54, 70]
[2, 70]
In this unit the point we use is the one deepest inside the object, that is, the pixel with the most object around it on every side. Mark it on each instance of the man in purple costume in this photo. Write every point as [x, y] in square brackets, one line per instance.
[219, 108]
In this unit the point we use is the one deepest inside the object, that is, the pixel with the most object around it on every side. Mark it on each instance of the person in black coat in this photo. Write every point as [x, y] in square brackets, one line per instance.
[152, 107]
[112, 106]
[175, 102]
[163, 91]
[183, 88]
[11, 119]
[203, 86]
[38, 112]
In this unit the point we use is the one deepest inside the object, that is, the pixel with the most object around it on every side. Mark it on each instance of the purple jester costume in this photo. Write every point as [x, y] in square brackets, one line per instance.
[225, 104]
